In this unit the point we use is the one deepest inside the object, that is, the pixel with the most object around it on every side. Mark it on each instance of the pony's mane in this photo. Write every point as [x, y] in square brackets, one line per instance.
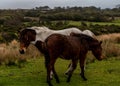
[88, 32]
[23, 31]
[39, 29]
[84, 36]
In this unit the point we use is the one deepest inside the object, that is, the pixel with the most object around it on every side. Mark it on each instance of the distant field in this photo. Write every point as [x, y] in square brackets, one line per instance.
[78, 23]
[117, 20]
[33, 73]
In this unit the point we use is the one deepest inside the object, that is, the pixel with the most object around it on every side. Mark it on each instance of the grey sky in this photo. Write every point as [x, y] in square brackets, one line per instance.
[6, 4]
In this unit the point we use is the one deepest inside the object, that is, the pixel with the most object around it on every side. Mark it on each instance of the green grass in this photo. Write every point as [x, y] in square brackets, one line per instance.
[117, 21]
[78, 23]
[33, 73]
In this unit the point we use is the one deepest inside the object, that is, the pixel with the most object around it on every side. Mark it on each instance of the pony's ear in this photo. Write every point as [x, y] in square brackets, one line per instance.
[19, 30]
[100, 42]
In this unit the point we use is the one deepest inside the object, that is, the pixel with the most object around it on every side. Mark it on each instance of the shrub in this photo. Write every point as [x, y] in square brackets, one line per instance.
[110, 44]
[10, 53]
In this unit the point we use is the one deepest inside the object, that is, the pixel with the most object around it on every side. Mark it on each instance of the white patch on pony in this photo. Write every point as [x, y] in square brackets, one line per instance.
[67, 31]
[88, 32]
[69, 69]
[43, 32]
[39, 29]
[51, 74]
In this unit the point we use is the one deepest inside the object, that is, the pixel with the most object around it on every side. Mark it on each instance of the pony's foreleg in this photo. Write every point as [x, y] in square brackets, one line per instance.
[48, 74]
[55, 75]
[82, 62]
[49, 69]
[52, 63]
[51, 75]
[72, 68]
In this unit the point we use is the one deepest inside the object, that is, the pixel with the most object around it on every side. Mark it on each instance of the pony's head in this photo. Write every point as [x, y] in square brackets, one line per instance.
[97, 50]
[26, 36]
[94, 44]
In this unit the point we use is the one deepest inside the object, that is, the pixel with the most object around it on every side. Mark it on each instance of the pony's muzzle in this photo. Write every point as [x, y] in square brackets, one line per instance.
[22, 51]
[101, 58]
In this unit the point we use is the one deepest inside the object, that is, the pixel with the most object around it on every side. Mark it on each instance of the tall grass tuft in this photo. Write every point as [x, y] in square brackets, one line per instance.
[9, 54]
[111, 45]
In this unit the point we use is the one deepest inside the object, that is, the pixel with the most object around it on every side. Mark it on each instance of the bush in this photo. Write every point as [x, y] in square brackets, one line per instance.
[9, 54]
[111, 47]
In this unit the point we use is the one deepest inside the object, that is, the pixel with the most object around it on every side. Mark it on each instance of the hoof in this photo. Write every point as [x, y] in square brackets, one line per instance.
[85, 79]
[51, 78]
[57, 81]
[50, 84]
[68, 80]
[66, 73]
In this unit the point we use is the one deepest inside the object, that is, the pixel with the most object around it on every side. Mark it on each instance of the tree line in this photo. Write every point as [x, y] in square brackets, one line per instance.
[75, 13]
[11, 20]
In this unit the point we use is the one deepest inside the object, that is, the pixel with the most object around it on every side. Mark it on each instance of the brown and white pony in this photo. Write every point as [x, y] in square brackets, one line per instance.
[73, 48]
[41, 33]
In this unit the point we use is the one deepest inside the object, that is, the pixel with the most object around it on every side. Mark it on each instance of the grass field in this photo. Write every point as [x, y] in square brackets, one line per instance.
[33, 73]
[78, 23]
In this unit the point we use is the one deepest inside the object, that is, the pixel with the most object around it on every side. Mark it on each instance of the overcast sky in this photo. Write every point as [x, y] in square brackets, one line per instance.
[10, 4]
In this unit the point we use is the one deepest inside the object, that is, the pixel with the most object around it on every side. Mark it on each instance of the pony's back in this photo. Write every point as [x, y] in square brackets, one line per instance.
[88, 32]
[67, 31]
[43, 32]
[85, 37]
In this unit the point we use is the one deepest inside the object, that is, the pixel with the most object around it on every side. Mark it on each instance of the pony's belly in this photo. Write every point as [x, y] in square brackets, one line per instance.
[67, 56]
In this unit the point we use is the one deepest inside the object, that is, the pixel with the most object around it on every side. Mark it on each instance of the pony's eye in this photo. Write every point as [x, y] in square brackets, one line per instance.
[25, 37]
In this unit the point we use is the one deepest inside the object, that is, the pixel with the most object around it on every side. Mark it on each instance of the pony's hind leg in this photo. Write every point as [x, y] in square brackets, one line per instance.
[69, 68]
[82, 74]
[72, 68]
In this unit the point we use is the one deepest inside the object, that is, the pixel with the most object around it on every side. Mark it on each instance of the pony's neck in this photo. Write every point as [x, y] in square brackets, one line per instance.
[90, 41]
[92, 44]
[42, 34]
[40, 46]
